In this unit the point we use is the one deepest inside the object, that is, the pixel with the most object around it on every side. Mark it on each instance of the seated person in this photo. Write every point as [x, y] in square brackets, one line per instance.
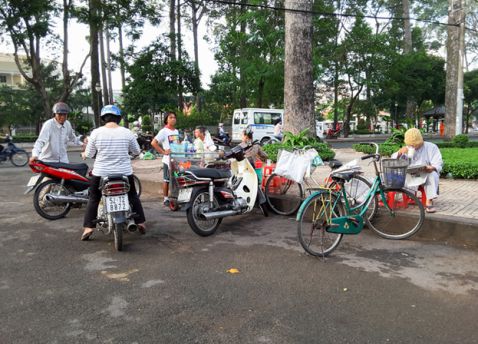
[203, 141]
[423, 153]
[253, 151]
[278, 130]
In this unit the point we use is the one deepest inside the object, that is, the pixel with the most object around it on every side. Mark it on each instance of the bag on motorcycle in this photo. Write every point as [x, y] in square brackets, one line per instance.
[293, 165]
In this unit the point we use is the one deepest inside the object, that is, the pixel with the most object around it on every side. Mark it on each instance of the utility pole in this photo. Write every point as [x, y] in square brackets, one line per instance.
[454, 68]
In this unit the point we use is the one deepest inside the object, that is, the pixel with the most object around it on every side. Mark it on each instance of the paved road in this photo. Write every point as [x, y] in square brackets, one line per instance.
[171, 286]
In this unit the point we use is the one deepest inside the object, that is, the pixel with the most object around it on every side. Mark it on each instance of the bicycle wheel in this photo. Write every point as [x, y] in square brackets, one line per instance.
[283, 195]
[314, 221]
[356, 190]
[404, 218]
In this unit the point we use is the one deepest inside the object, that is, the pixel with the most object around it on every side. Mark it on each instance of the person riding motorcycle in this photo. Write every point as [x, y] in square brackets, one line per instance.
[253, 151]
[111, 144]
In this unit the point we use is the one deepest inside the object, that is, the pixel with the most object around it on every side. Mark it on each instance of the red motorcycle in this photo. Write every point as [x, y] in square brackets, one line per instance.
[60, 187]
[332, 133]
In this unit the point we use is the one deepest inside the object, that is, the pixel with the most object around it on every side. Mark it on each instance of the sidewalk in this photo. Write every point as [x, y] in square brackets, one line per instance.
[455, 222]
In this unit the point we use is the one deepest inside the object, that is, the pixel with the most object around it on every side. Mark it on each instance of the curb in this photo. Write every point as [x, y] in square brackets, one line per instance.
[456, 231]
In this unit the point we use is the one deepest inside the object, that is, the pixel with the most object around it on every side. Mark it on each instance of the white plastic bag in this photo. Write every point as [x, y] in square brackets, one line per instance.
[294, 165]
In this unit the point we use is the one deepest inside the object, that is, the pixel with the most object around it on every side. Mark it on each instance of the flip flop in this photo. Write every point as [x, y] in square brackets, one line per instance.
[430, 209]
[86, 236]
[141, 229]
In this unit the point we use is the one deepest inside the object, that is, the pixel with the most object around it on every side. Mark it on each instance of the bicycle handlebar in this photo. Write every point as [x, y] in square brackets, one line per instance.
[371, 144]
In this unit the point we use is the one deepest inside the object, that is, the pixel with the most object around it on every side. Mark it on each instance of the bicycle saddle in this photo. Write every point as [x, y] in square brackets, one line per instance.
[345, 175]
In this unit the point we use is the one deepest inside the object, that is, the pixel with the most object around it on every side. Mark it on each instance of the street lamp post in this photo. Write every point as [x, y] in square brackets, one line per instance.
[98, 95]
[396, 119]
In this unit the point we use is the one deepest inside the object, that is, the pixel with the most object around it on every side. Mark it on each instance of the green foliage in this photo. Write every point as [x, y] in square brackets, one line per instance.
[469, 144]
[153, 82]
[194, 119]
[25, 138]
[397, 137]
[146, 124]
[461, 140]
[322, 148]
[300, 140]
[460, 162]
[385, 149]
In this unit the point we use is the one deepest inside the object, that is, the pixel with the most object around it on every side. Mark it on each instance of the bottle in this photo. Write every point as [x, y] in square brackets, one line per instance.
[185, 146]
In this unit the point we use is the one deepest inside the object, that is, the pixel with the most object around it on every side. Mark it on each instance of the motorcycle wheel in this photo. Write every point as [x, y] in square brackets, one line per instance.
[118, 236]
[199, 226]
[46, 209]
[137, 185]
[19, 158]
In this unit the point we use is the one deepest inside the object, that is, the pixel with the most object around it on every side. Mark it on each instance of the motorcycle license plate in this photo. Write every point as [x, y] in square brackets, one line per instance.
[33, 180]
[184, 195]
[117, 203]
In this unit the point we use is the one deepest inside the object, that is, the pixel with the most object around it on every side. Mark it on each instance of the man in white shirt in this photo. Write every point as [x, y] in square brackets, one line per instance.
[162, 144]
[54, 137]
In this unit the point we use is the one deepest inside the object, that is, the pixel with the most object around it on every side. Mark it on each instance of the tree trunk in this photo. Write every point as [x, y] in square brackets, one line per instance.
[66, 72]
[407, 31]
[407, 48]
[95, 72]
[336, 95]
[180, 58]
[172, 29]
[298, 72]
[260, 93]
[242, 72]
[122, 68]
[104, 79]
[195, 19]
[108, 67]
[452, 67]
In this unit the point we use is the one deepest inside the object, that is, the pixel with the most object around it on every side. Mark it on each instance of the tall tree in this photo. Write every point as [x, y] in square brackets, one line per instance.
[298, 71]
[27, 25]
[94, 24]
[453, 98]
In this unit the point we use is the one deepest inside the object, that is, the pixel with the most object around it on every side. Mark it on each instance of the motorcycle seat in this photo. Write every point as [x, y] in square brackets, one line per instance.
[210, 173]
[81, 169]
[345, 175]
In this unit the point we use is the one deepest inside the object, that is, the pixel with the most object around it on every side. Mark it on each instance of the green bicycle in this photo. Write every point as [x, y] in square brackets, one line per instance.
[326, 215]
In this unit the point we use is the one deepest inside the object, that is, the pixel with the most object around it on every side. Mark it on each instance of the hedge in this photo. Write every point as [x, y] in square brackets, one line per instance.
[325, 152]
[459, 163]
[25, 138]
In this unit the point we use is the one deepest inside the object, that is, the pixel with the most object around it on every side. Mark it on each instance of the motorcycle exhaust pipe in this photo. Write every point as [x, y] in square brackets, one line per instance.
[218, 214]
[61, 199]
[131, 226]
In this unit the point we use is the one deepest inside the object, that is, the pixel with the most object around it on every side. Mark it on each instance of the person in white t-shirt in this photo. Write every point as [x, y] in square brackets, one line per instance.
[162, 144]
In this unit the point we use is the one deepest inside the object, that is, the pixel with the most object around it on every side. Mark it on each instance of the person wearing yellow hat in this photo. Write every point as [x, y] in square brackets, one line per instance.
[427, 154]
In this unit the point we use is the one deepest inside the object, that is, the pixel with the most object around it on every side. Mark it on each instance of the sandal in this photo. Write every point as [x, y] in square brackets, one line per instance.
[86, 236]
[142, 229]
[430, 209]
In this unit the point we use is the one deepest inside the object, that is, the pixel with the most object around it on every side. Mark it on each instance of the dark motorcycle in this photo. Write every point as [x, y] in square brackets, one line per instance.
[210, 194]
[223, 140]
[18, 157]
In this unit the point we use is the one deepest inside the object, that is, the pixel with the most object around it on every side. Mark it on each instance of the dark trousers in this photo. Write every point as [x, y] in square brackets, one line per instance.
[95, 197]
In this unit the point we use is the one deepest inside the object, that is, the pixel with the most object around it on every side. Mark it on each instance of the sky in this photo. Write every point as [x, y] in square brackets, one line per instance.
[79, 47]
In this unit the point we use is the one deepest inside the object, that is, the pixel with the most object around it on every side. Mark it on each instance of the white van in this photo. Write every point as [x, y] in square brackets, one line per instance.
[262, 122]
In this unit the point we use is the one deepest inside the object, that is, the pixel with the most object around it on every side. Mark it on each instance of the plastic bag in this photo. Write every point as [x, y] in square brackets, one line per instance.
[295, 165]
[148, 156]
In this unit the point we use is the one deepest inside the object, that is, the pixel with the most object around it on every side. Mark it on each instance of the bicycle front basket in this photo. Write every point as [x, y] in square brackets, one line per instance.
[394, 172]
